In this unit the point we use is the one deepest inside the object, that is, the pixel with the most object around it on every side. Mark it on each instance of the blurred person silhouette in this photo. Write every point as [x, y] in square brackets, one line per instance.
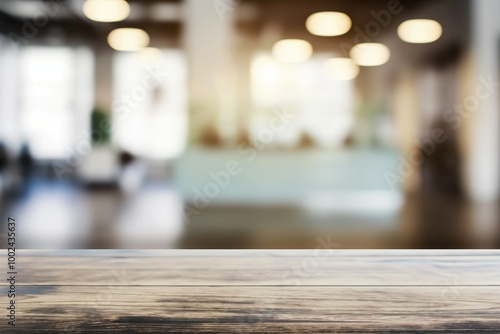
[26, 163]
[3, 158]
[3, 166]
[132, 172]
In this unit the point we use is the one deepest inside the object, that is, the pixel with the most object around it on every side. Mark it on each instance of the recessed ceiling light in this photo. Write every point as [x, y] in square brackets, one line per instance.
[292, 50]
[341, 68]
[106, 10]
[128, 39]
[328, 24]
[370, 54]
[420, 31]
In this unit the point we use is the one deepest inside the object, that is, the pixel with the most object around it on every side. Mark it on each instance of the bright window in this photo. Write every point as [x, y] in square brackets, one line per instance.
[150, 103]
[323, 106]
[48, 102]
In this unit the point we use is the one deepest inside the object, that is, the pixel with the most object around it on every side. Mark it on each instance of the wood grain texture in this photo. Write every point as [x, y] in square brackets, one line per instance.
[322, 268]
[348, 292]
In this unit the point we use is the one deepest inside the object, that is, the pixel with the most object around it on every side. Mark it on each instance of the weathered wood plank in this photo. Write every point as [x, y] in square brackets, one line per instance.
[322, 268]
[201, 309]
[260, 292]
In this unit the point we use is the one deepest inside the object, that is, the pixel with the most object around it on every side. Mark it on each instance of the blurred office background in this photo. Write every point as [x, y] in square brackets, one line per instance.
[250, 123]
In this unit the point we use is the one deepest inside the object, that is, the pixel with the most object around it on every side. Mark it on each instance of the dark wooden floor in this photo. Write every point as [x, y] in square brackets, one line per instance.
[327, 291]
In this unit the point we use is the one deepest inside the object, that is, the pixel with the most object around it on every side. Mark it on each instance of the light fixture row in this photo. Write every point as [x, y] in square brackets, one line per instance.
[287, 50]
[365, 54]
[121, 39]
[329, 24]
[298, 50]
[336, 23]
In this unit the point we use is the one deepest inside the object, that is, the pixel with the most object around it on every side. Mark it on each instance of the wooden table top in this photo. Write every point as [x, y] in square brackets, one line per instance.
[316, 291]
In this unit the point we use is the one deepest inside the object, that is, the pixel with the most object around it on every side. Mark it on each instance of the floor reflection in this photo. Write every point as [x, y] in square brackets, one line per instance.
[53, 215]
[152, 216]
[60, 215]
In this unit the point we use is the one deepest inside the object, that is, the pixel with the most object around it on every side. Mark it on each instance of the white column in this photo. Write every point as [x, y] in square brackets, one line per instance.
[483, 167]
[208, 29]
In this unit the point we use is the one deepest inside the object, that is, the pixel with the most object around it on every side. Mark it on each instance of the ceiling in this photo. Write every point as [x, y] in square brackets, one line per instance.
[163, 20]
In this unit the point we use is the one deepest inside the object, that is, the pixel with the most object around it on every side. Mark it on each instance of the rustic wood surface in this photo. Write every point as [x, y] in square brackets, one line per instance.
[327, 291]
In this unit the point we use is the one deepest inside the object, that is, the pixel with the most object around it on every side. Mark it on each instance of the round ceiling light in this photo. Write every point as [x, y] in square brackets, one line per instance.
[106, 10]
[341, 68]
[328, 24]
[128, 39]
[370, 54]
[420, 31]
[292, 50]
